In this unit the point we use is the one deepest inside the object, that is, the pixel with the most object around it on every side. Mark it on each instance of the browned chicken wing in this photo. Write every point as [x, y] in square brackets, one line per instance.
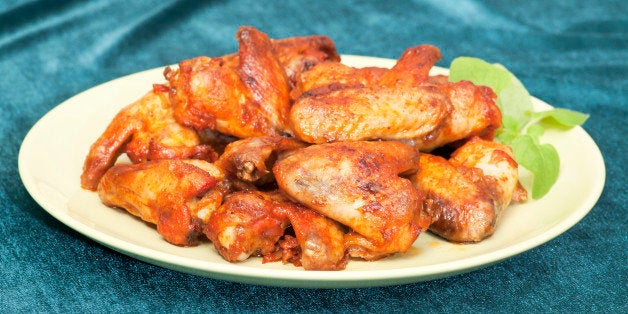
[144, 130]
[299, 54]
[358, 185]
[253, 223]
[335, 102]
[341, 103]
[247, 94]
[168, 193]
[466, 194]
[209, 94]
[355, 114]
[246, 225]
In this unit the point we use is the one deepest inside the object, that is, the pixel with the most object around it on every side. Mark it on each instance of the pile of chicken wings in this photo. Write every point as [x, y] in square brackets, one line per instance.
[281, 151]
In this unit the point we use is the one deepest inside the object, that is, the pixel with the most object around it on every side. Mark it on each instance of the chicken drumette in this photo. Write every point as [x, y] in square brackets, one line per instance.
[178, 196]
[255, 223]
[466, 194]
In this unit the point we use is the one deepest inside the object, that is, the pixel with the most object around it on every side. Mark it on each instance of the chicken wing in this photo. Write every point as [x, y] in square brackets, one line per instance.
[144, 130]
[498, 166]
[411, 69]
[245, 225]
[466, 194]
[355, 114]
[247, 94]
[471, 110]
[253, 223]
[176, 195]
[263, 75]
[209, 94]
[358, 185]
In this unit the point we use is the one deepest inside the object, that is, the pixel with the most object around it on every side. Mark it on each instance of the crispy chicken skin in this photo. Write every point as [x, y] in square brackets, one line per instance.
[498, 166]
[168, 193]
[254, 223]
[247, 94]
[296, 54]
[321, 112]
[474, 113]
[369, 113]
[329, 76]
[466, 194]
[321, 240]
[411, 69]
[341, 103]
[245, 225]
[299, 54]
[144, 130]
[251, 159]
[263, 75]
[208, 94]
[358, 185]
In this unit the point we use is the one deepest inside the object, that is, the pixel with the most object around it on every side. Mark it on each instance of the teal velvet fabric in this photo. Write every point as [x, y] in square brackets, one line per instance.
[572, 54]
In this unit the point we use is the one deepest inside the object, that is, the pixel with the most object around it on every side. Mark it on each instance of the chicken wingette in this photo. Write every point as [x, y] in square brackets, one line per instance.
[144, 130]
[358, 184]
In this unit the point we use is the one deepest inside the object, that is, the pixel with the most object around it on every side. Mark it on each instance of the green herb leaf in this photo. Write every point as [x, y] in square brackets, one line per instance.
[541, 159]
[535, 131]
[521, 126]
[564, 117]
[506, 136]
[479, 72]
[514, 100]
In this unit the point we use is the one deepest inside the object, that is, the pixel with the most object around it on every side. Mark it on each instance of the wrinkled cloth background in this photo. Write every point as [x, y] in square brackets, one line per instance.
[571, 54]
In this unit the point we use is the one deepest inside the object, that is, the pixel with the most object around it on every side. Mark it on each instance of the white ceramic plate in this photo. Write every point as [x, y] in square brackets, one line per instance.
[51, 159]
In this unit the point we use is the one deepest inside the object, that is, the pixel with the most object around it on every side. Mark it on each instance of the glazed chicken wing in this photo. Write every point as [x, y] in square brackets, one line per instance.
[253, 223]
[411, 69]
[466, 194]
[335, 102]
[144, 130]
[358, 185]
[369, 113]
[247, 94]
[263, 75]
[176, 195]
[341, 103]
[249, 100]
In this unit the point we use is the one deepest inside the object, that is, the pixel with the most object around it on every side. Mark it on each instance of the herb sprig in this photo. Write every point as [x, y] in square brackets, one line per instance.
[522, 127]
